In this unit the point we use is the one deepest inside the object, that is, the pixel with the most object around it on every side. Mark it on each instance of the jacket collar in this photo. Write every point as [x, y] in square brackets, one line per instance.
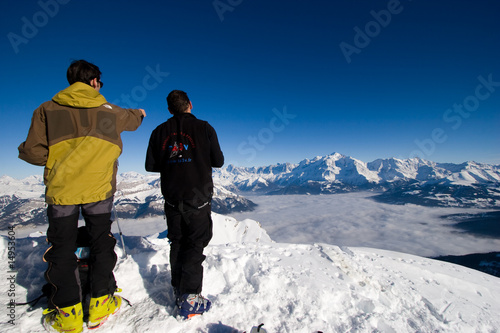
[79, 95]
[185, 115]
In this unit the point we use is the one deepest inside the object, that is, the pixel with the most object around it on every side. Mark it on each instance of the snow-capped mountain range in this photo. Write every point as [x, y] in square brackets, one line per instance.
[337, 168]
[399, 181]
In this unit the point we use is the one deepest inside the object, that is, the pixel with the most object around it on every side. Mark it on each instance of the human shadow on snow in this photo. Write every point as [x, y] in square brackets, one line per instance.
[156, 277]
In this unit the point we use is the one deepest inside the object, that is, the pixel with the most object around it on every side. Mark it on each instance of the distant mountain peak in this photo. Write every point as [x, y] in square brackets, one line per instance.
[336, 173]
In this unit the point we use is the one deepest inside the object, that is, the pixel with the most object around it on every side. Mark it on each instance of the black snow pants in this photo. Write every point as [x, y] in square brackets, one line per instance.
[62, 272]
[189, 232]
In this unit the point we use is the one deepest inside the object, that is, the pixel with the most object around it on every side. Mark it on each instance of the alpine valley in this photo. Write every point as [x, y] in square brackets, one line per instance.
[396, 181]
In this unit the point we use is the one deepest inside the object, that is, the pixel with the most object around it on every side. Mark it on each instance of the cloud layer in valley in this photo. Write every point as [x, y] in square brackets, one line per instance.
[354, 219]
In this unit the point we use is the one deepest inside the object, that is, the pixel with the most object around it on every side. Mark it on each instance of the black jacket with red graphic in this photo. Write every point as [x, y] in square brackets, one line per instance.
[183, 150]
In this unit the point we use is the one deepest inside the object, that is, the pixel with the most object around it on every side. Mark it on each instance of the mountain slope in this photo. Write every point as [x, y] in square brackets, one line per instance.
[289, 287]
[22, 201]
[137, 196]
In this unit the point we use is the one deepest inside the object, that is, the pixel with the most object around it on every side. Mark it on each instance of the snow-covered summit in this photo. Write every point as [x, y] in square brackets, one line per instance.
[288, 287]
[466, 173]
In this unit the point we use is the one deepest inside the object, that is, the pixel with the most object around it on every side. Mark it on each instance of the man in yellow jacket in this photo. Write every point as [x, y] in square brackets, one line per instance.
[76, 136]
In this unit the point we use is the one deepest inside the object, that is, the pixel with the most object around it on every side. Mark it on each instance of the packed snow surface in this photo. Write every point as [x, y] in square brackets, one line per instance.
[288, 287]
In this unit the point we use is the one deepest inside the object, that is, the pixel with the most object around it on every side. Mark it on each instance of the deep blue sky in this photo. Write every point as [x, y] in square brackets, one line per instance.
[280, 81]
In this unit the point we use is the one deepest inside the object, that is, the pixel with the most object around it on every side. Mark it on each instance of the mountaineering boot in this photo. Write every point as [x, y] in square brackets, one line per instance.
[68, 319]
[101, 308]
[193, 305]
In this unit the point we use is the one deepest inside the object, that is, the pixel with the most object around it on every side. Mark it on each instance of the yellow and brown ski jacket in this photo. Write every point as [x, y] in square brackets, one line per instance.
[76, 136]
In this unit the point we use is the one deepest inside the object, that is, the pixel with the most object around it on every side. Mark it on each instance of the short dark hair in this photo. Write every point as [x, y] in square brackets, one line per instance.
[178, 101]
[82, 71]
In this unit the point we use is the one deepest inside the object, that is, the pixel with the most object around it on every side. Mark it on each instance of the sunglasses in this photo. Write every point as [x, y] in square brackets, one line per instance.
[98, 79]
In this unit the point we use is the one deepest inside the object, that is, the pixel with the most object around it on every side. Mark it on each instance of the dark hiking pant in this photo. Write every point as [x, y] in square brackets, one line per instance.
[62, 272]
[189, 232]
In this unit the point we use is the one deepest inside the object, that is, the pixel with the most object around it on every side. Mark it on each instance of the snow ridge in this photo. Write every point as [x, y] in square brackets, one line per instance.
[289, 287]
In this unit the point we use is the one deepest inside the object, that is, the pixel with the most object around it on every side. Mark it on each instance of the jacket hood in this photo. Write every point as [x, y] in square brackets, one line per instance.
[79, 95]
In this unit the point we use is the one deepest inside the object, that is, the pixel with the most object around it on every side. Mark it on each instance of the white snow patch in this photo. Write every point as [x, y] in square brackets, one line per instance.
[289, 287]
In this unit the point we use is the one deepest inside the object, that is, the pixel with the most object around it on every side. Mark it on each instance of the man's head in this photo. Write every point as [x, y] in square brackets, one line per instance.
[178, 102]
[83, 71]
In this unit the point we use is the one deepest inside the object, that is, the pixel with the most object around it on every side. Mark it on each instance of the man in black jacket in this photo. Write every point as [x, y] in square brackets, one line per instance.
[184, 149]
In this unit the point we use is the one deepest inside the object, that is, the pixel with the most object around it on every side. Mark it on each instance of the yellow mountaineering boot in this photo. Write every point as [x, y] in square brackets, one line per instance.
[68, 319]
[101, 308]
